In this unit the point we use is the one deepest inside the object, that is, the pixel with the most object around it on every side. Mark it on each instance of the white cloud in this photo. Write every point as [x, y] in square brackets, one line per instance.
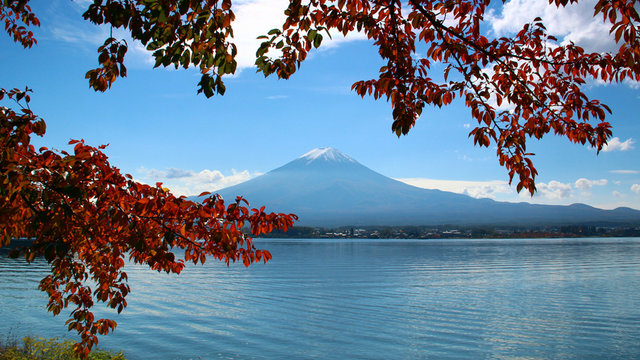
[574, 22]
[257, 17]
[276, 97]
[586, 184]
[631, 83]
[95, 36]
[83, 3]
[68, 33]
[254, 18]
[188, 182]
[616, 145]
[476, 189]
[571, 23]
[624, 171]
[505, 105]
[466, 125]
[551, 192]
[338, 38]
[554, 190]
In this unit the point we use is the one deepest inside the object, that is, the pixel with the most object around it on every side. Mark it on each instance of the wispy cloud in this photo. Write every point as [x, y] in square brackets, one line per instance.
[189, 182]
[83, 3]
[173, 173]
[276, 97]
[78, 33]
[635, 188]
[616, 145]
[476, 189]
[624, 171]
[586, 184]
[93, 37]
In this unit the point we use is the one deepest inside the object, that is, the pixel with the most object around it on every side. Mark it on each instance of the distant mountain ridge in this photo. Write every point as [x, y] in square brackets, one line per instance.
[325, 187]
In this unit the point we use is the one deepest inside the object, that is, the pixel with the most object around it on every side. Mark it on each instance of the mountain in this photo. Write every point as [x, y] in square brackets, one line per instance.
[325, 187]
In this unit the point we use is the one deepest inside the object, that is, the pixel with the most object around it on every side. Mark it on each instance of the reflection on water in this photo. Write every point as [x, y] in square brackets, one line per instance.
[339, 299]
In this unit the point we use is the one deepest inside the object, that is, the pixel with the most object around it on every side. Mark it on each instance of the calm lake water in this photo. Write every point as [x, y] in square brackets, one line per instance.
[364, 299]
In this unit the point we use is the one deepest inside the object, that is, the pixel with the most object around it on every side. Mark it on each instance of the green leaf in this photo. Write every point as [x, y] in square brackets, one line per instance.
[206, 85]
[263, 49]
[312, 35]
[317, 41]
[154, 45]
[162, 17]
[185, 59]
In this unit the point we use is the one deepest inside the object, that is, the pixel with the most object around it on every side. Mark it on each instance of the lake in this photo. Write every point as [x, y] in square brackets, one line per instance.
[371, 299]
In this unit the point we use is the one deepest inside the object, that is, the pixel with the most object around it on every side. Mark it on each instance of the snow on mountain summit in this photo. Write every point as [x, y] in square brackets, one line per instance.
[325, 187]
[326, 154]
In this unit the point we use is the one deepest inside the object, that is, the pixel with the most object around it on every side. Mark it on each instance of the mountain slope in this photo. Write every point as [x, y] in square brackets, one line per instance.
[325, 187]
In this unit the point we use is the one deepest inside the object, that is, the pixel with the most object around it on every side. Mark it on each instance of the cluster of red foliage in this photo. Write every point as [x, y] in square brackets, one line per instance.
[515, 87]
[86, 219]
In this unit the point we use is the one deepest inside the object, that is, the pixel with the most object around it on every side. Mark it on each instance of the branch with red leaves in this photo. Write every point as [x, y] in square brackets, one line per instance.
[86, 219]
[515, 87]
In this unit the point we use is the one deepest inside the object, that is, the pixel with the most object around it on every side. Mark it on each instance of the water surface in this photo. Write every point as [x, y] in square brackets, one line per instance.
[372, 299]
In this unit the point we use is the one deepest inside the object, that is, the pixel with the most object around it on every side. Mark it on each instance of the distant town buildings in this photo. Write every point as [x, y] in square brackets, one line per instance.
[453, 232]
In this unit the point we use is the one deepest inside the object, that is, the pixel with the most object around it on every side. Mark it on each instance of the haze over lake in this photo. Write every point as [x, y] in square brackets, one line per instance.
[373, 299]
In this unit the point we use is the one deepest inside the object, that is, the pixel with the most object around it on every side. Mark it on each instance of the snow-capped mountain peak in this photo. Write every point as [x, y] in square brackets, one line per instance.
[325, 187]
[326, 154]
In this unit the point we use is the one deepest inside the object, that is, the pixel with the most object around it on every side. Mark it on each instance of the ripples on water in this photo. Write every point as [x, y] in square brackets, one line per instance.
[387, 299]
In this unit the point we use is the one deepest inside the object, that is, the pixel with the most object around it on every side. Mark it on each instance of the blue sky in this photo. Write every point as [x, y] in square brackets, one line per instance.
[160, 130]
